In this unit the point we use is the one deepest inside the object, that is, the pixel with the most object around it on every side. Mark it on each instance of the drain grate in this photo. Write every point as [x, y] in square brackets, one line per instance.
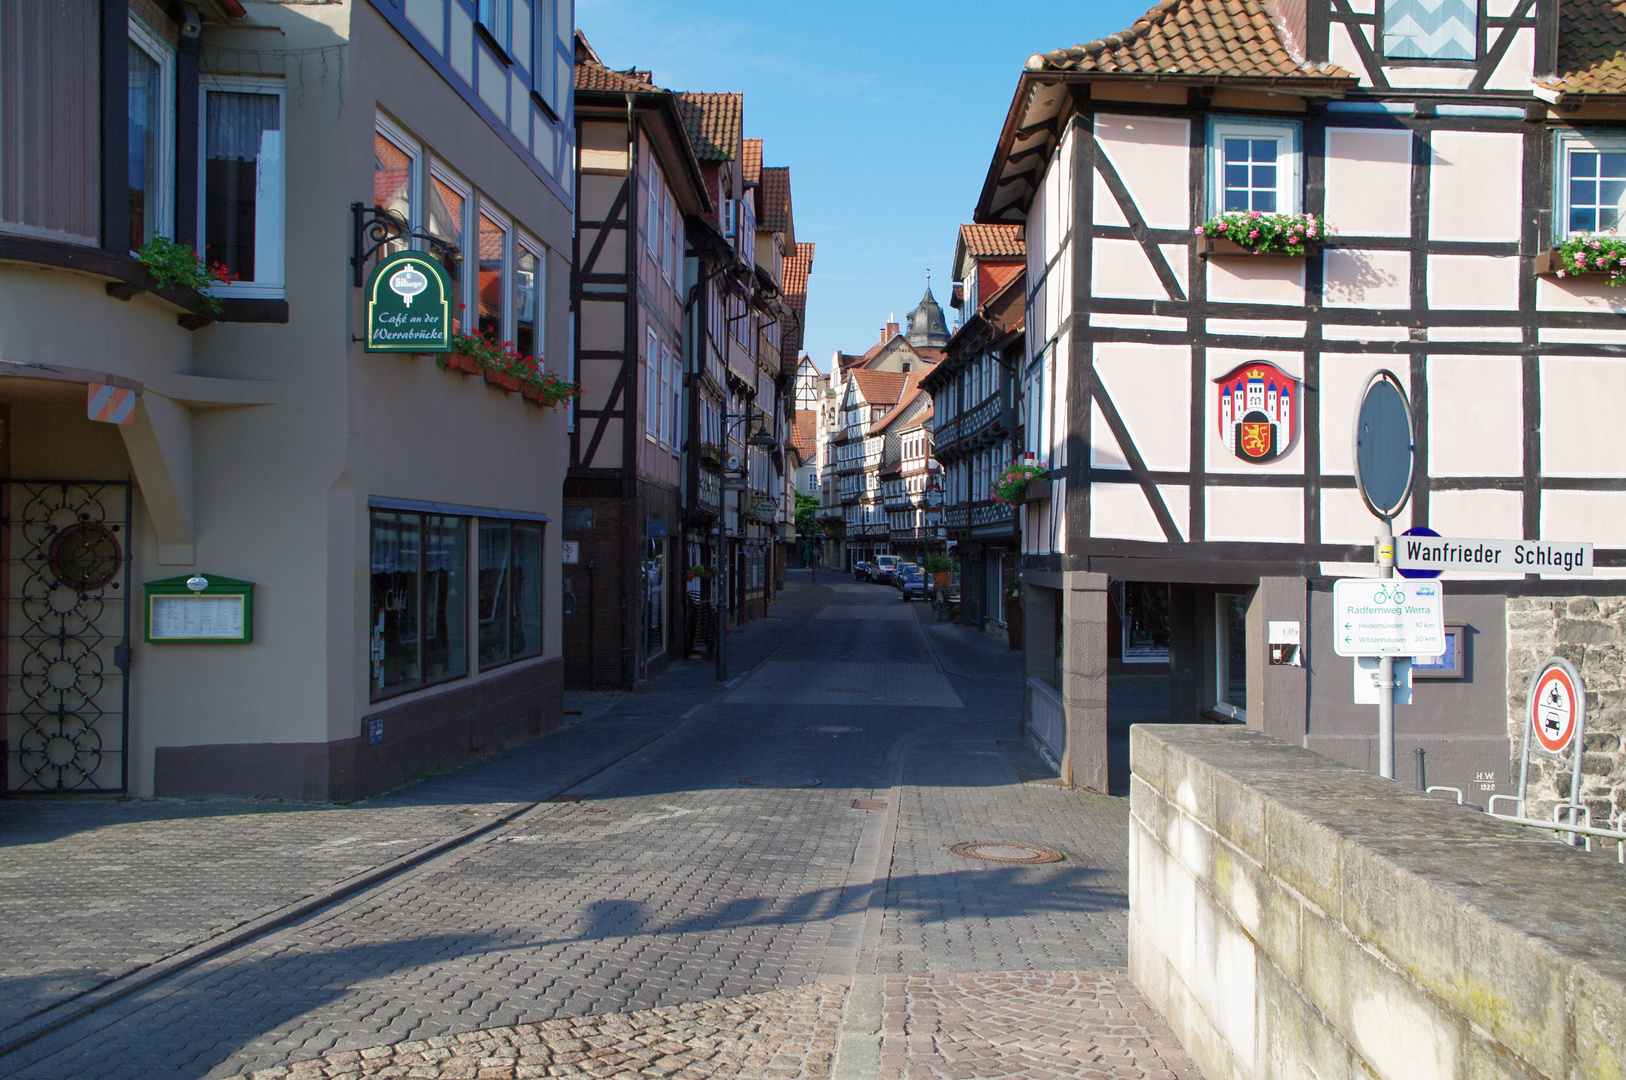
[1002, 852]
[834, 729]
[567, 798]
[780, 780]
[847, 690]
[869, 804]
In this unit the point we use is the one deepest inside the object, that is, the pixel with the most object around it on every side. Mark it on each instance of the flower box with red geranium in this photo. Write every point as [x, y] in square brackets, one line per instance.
[1255, 233]
[1011, 486]
[504, 366]
[1587, 254]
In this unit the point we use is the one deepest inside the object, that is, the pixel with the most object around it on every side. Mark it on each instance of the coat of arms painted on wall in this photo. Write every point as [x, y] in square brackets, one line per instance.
[1258, 411]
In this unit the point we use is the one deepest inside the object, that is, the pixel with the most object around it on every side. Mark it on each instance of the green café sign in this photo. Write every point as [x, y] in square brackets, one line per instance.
[409, 305]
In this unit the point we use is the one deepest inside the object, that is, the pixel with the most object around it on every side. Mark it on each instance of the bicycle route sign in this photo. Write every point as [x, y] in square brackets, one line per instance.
[1388, 617]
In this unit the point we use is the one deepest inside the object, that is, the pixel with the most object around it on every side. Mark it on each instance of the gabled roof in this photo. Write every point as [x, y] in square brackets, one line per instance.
[593, 74]
[1234, 38]
[804, 433]
[1591, 48]
[774, 200]
[907, 399]
[714, 122]
[881, 387]
[798, 266]
[751, 164]
[993, 241]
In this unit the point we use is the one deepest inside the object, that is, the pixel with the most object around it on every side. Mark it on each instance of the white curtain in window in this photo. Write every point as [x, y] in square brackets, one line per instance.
[236, 123]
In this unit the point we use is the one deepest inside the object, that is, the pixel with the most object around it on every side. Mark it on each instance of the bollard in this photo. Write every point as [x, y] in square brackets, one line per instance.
[1422, 775]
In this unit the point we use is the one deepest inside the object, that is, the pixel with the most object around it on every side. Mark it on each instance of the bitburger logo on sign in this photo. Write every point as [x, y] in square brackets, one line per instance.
[1258, 411]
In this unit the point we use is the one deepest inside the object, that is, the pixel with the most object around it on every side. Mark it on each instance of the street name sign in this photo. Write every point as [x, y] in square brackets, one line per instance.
[1388, 617]
[1509, 556]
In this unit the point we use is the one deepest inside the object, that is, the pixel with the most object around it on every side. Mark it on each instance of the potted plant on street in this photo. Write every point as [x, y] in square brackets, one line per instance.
[1253, 232]
[940, 567]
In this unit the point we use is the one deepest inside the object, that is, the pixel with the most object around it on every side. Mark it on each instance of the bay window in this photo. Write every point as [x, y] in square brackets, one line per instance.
[241, 205]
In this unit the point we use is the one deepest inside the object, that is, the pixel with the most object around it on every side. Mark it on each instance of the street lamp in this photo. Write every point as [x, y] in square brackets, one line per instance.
[762, 439]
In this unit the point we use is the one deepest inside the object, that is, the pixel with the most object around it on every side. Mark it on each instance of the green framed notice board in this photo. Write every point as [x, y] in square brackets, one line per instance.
[222, 612]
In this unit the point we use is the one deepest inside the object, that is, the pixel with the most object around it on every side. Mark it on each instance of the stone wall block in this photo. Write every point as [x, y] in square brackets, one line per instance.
[1298, 1044]
[1588, 632]
[1508, 985]
[1597, 993]
[1238, 886]
[1239, 816]
[1396, 1032]
[1304, 856]
[1399, 916]
[1146, 757]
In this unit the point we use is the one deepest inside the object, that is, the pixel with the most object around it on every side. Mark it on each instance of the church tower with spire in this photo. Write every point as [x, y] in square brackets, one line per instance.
[926, 323]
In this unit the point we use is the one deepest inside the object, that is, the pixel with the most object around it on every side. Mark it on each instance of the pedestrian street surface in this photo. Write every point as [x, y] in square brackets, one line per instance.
[764, 886]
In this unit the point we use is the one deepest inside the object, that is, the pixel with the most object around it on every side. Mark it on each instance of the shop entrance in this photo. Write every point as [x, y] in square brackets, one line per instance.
[64, 632]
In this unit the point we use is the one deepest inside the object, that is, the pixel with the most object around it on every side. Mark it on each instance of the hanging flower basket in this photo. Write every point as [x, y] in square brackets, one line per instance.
[1256, 233]
[1587, 254]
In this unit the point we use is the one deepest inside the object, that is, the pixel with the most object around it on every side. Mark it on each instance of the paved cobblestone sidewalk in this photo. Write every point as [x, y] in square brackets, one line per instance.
[785, 1033]
[1025, 1026]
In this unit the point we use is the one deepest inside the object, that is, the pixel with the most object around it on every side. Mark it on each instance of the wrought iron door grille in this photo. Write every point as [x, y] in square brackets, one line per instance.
[64, 628]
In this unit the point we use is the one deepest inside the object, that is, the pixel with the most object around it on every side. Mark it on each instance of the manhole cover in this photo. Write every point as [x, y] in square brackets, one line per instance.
[1007, 853]
[834, 729]
[780, 780]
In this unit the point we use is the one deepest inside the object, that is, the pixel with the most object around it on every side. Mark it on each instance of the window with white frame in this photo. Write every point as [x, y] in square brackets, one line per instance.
[448, 198]
[1253, 166]
[491, 285]
[675, 406]
[493, 16]
[396, 176]
[652, 385]
[654, 204]
[151, 135]
[1430, 29]
[241, 204]
[552, 58]
[530, 298]
[1591, 184]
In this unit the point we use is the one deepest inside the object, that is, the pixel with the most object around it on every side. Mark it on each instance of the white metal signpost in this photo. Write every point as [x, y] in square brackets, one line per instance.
[1386, 617]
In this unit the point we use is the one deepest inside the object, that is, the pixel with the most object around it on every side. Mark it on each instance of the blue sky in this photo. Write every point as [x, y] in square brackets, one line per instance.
[886, 114]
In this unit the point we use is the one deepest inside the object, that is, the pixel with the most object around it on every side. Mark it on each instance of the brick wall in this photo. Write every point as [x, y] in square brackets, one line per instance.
[1589, 632]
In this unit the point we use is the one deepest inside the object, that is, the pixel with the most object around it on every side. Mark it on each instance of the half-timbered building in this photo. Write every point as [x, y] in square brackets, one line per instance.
[1452, 146]
[640, 182]
[975, 433]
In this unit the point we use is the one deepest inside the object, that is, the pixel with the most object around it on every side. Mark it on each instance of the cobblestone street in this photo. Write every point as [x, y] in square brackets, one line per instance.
[758, 883]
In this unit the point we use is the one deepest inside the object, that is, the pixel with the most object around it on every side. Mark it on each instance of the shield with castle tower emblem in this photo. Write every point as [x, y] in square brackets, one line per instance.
[1258, 411]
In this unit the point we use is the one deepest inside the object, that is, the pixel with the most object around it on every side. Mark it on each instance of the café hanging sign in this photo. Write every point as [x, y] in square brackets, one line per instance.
[409, 305]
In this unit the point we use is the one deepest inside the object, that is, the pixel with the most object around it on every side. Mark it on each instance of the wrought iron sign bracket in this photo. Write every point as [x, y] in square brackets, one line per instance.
[373, 228]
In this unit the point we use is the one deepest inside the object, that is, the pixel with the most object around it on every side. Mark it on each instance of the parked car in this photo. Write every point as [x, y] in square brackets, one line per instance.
[885, 567]
[862, 571]
[913, 582]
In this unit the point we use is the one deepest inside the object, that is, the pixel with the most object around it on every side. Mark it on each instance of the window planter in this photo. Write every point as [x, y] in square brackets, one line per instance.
[1211, 247]
[504, 380]
[1037, 490]
[468, 365]
[1552, 264]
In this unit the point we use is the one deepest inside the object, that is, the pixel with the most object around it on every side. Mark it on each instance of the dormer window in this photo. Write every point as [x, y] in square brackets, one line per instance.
[1430, 29]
